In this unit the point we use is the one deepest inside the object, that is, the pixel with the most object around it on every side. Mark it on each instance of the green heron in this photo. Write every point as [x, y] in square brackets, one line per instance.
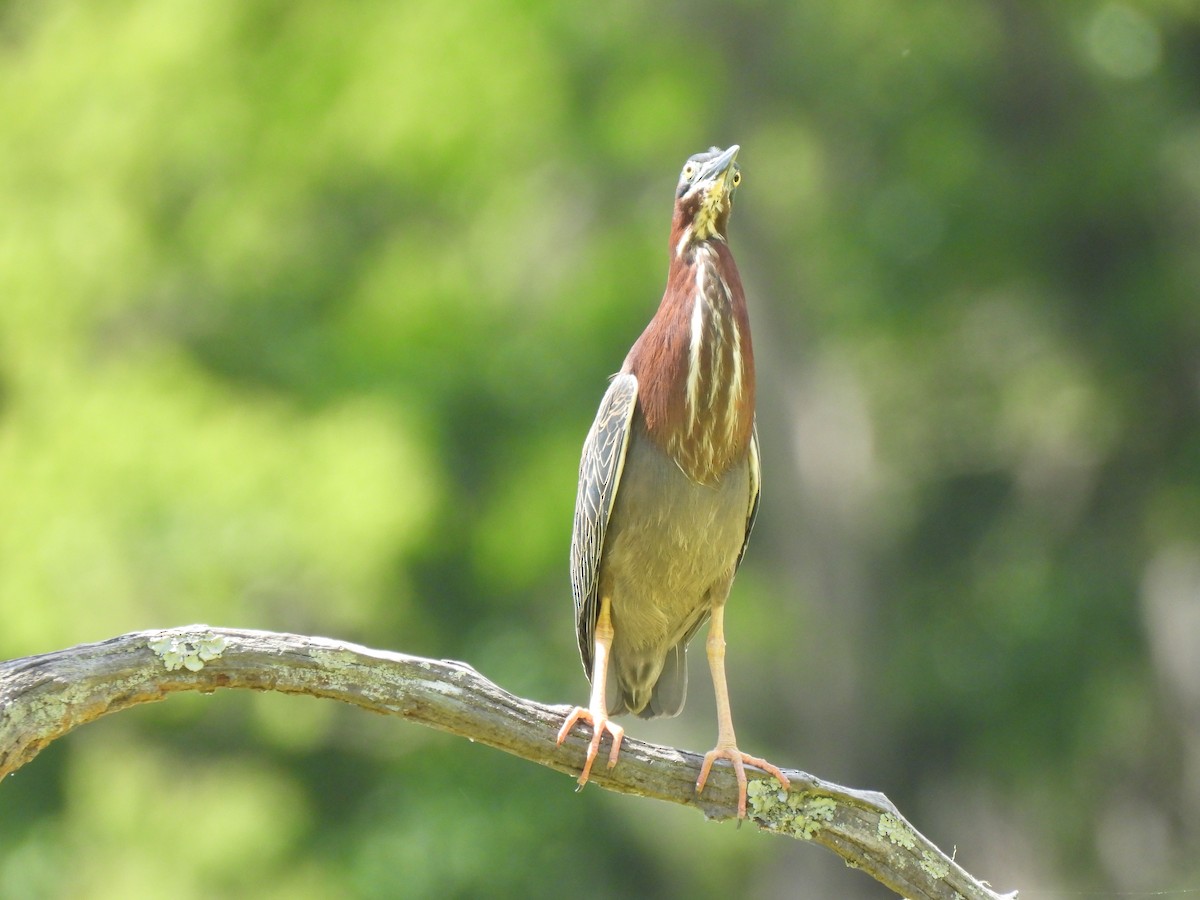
[668, 486]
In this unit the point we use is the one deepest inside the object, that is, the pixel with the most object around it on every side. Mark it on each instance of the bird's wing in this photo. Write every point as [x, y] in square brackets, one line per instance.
[599, 475]
[755, 490]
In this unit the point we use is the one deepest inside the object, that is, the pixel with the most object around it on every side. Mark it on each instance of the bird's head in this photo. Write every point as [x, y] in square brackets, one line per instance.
[704, 197]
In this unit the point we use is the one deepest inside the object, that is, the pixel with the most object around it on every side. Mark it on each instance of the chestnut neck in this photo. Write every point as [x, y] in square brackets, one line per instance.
[695, 360]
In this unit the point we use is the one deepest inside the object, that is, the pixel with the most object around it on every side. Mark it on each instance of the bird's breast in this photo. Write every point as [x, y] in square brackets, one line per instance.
[672, 544]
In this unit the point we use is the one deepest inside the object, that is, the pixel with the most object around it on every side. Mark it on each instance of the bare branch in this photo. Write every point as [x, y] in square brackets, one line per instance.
[44, 697]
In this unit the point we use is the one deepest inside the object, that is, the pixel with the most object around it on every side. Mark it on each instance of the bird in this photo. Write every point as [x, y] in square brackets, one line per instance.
[669, 485]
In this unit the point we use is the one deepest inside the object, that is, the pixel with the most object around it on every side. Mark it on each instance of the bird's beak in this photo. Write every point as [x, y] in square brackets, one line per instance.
[719, 170]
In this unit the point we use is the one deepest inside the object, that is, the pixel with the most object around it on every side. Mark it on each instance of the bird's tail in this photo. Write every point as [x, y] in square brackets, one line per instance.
[664, 697]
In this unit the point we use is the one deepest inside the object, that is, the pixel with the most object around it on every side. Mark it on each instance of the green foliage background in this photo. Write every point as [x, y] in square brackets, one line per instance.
[305, 309]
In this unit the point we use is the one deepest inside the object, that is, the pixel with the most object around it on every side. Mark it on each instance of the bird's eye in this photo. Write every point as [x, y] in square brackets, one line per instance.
[689, 171]
[737, 178]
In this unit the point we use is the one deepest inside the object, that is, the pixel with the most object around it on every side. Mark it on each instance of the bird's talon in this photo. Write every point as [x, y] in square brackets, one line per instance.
[600, 723]
[739, 760]
[618, 735]
[572, 719]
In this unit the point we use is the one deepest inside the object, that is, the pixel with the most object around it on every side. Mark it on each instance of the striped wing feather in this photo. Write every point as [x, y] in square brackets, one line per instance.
[755, 491]
[599, 477]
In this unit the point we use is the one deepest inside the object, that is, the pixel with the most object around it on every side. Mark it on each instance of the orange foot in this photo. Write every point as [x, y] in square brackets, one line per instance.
[740, 760]
[600, 723]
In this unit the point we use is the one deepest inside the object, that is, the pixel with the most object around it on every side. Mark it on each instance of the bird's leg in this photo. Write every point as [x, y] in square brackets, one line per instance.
[726, 742]
[597, 711]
